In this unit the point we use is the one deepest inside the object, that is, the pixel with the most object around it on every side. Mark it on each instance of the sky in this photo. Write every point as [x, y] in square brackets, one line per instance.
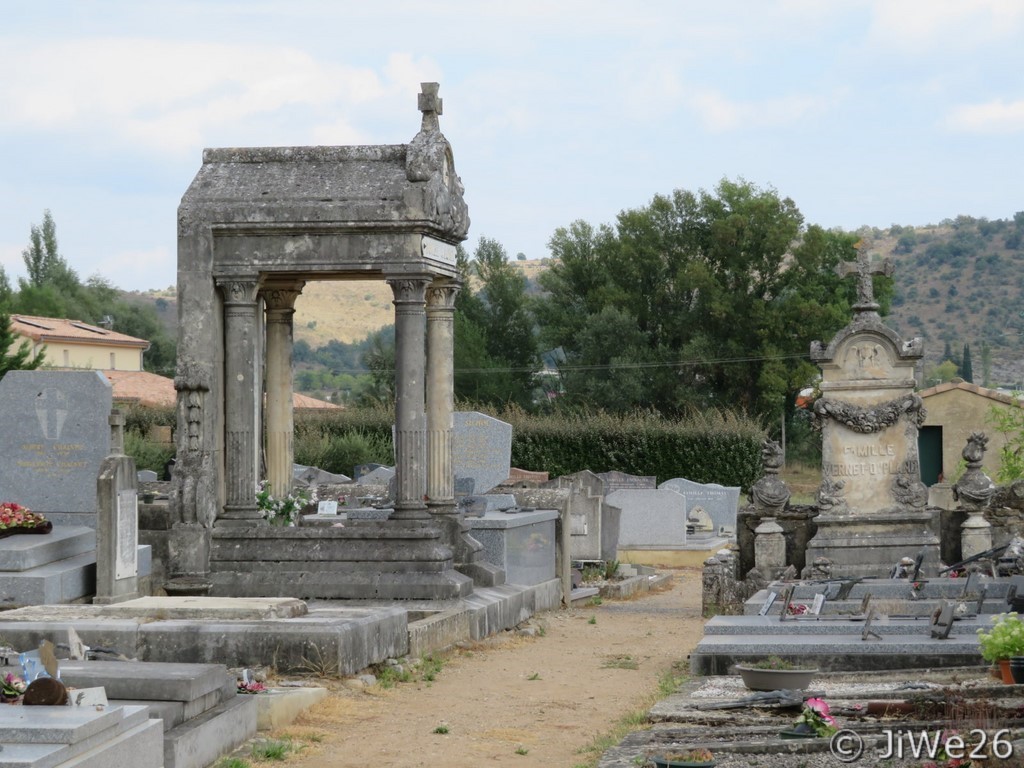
[863, 112]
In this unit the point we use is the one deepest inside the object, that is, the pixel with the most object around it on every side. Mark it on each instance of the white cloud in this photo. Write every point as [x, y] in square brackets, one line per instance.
[993, 117]
[916, 25]
[167, 94]
[137, 269]
[720, 114]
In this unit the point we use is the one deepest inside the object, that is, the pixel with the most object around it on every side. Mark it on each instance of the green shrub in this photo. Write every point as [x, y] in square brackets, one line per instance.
[147, 454]
[709, 447]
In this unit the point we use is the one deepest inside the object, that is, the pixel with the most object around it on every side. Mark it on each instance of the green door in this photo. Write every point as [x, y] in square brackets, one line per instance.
[929, 448]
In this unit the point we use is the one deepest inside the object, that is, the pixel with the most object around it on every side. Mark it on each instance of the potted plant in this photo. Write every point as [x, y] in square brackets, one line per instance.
[1002, 642]
[775, 673]
[692, 758]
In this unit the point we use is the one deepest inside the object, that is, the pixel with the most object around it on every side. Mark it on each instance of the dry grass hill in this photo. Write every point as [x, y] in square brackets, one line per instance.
[961, 281]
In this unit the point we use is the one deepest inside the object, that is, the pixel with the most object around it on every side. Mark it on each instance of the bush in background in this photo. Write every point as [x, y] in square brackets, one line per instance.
[706, 447]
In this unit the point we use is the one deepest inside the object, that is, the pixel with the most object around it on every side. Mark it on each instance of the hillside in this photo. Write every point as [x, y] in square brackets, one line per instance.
[961, 281]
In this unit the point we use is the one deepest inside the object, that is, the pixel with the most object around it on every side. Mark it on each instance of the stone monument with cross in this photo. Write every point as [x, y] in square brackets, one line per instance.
[257, 225]
[871, 499]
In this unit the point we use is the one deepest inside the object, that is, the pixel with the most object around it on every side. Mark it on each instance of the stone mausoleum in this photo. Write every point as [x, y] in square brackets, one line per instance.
[254, 227]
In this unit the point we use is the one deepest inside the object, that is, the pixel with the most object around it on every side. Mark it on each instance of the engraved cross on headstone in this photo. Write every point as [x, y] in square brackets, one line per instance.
[430, 104]
[865, 289]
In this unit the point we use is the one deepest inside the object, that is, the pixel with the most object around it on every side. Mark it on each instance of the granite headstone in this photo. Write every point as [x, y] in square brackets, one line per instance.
[53, 426]
[651, 518]
[481, 450]
[721, 503]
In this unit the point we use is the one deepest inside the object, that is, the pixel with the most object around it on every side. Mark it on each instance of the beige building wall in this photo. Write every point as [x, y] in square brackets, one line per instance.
[94, 357]
[961, 409]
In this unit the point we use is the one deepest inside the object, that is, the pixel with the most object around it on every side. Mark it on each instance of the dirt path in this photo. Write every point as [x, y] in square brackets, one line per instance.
[515, 701]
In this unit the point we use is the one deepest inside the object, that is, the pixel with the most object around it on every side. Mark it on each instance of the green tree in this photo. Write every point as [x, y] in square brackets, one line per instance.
[42, 258]
[20, 359]
[1009, 421]
[495, 349]
[941, 373]
[986, 364]
[718, 296]
[966, 368]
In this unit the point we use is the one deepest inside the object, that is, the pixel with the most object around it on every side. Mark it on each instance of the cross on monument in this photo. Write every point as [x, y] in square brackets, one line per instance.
[865, 289]
[430, 104]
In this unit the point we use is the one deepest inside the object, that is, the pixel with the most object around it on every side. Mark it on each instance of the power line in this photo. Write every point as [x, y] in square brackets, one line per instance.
[608, 366]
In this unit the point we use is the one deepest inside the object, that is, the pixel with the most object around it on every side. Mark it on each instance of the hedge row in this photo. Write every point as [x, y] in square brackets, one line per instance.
[706, 448]
[709, 447]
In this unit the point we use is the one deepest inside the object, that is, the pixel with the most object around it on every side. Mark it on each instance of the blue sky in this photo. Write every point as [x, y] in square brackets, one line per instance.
[862, 111]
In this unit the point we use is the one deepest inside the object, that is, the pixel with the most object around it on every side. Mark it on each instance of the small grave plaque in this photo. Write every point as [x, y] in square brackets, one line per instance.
[942, 621]
[327, 508]
[88, 697]
[865, 604]
[867, 633]
[787, 598]
[767, 604]
[917, 566]
[126, 563]
[819, 602]
[621, 481]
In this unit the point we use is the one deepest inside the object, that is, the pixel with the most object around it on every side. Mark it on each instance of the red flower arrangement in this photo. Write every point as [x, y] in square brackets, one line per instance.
[15, 518]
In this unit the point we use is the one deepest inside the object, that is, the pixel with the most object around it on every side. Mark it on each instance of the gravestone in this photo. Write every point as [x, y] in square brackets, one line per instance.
[361, 470]
[54, 430]
[650, 518]
[621, 481]
[378, 476]
[117, 526]
[721, 503]
[481, 451]
[872, 503]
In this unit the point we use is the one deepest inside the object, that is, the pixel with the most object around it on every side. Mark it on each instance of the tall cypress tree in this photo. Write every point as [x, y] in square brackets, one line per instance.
[966, 370]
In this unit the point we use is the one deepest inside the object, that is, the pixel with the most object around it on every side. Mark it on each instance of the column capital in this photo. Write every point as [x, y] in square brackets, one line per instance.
[441, 295]
[409, 290]
[238, 290]
[281, 295]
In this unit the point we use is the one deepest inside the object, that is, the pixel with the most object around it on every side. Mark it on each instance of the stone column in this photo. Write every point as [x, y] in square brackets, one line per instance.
[241, 401]
[410, 388]
[440, 395]
[769, 547]
[280, 301]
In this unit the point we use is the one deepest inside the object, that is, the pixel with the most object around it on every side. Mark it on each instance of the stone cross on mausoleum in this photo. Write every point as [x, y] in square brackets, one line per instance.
[431, 105]
[862, 268]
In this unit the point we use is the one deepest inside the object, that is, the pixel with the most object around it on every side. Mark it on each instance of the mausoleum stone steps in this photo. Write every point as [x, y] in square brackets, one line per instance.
[24, 551]
[203, 716]
[53, 568]
[716, 654]
[351, 634]
[741, 626]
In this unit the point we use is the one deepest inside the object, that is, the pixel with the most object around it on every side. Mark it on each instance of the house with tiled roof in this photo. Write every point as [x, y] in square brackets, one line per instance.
[955, 409]
[73, 344]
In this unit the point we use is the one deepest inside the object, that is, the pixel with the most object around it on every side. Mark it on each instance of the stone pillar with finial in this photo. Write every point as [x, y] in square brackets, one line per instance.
[974, 492]
[117, 522]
